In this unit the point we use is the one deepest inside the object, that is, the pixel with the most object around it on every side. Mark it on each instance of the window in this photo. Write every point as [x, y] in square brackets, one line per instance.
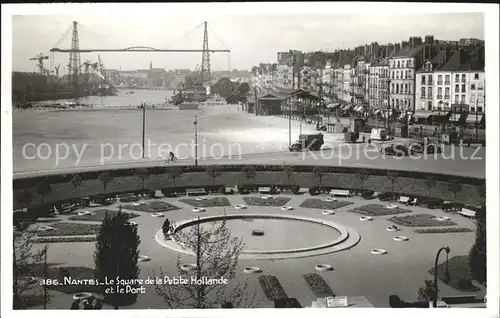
[429, 92]
[479, 109]
[397, 89]
[392, 74]
[406, 88]
[447, 105]
[429, 105]
[463, 99]
[440, 79]
[463, 88]
[423, 92]
[407, 74]
[440, 93]
[392, 102]
[399, 64]
[473, 86]
[457, 88]
[392, 90]
[457, 78]
[447, 93]
[456, 98]
[430, 79]
[472, 109]
[463, 78]
[476, 76]
[447, 80]
[423, 79]
[401, 88]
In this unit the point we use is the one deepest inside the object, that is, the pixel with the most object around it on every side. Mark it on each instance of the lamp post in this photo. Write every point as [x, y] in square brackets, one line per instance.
[196, 141]
[447, 249]
[143, 105]
[389, 113]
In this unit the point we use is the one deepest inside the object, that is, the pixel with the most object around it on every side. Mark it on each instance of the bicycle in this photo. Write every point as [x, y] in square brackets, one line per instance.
[171, 160]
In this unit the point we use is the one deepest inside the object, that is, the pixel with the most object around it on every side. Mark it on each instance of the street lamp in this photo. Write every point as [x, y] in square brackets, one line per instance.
[196, 141]
[447, 249]
[143, 105]
[389, 113]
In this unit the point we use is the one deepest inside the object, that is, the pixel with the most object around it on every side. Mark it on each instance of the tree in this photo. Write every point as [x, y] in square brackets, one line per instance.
[393, 177]
[116, 255]
[454, 187]
[362, 175]
[248, 172]
[477, 254]
[214, 172]
[25, 258]
[217, 253]
[43, 188]
[143, 174]
[105, 177]
[430, 182]
[174, 173]
[76, 182]
[319, 173]
[428, 292]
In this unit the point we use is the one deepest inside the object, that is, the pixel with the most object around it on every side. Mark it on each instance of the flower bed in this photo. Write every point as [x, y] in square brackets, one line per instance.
[272, 287]
[152, 207]
[443, 230]
[98, 215]
[208, 202]
[66, 239]
[69, 229]
[324, 205]
[318, 285]
[276, 201]
[378, 210]
[420, 220]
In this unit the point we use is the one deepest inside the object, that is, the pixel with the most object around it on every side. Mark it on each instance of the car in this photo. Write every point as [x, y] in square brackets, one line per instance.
[396, 150]
[433, 203]
[385, 196]
[420, 148]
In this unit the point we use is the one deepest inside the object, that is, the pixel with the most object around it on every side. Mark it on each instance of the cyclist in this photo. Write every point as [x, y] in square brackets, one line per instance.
[171, 156]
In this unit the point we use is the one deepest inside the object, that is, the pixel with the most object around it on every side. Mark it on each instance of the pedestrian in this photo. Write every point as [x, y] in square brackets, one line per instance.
[364, 138]
[369, 141]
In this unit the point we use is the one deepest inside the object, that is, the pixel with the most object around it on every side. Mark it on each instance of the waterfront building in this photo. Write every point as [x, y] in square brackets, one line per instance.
[402, 67]
[378, 85]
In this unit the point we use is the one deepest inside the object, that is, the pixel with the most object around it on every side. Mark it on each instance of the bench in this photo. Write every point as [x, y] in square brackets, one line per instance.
[340, 193]
[265, 190]
[196, 192]
[467, 213]
[404, 200]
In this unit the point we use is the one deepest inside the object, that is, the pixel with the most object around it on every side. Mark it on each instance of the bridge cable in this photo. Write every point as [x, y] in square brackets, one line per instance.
[65, 34]
[217, 36]
[184, 35]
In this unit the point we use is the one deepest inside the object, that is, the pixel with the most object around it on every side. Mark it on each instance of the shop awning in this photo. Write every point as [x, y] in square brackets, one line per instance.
[422, 114]
[472, 118]
[440, 113]
[376, 111]
[359, 108]
[346, 107]
[455, 117]
[334, 105]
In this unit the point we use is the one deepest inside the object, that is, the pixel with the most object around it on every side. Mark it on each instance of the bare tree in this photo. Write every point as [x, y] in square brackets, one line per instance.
[214, 172]
[362, 175]
[454, 187]
[288, 172]
[76, 182]
[143, 174]
[217, 253]
[43, 188]
[105, 177]
[319, 173]
[430, 182]
[174, 173]
[248, 172]
[393, 177]
[24, 260]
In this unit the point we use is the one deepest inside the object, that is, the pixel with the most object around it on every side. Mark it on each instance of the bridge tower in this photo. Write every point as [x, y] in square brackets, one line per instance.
[206, 78]
[74, 59]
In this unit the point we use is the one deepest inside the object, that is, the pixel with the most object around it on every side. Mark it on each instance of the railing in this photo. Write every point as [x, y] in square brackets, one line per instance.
[440, 96]
[440, 83]
[446, 96]
[447, 83]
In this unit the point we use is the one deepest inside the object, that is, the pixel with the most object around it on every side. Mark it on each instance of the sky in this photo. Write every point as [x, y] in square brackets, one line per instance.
[252, 39]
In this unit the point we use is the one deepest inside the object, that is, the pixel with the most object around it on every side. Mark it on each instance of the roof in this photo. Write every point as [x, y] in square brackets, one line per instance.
[408, 52]
[437, 61]
[462, 61]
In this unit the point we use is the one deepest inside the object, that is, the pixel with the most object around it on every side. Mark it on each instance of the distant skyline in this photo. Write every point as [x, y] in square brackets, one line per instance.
[252, 39]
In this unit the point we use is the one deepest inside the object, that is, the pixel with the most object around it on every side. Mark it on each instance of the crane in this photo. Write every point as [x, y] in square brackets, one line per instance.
[40, 57]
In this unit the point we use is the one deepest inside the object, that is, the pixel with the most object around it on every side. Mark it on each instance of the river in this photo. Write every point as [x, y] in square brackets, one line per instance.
[125, 97]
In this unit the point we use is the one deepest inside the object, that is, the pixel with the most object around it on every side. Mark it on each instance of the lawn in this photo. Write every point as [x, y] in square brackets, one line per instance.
[69, 229]
[459, 278]
[420, 220]
[152, 207]
[274, 201]
[320, 204]
[443, 230]
[378, 210]
[98, 216]
[208, 202]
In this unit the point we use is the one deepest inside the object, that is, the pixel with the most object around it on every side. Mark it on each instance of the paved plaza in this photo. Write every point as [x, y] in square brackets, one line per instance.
[356, 271]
